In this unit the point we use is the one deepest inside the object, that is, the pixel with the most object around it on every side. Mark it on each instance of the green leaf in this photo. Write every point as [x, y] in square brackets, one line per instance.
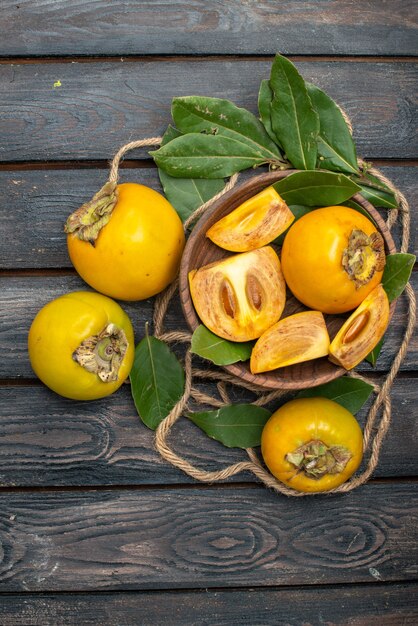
[298, 211]
[265, 98]
[336, 149]
[314, 188]
[351, 393]
[215, 116]
[236, 426]
[205, 156]
[373, 355]
[378, 197]
[186, 194]
[375, 182]
[293, 118]
[220, 351]
[170, 134]
[157, 381]
[396, 274]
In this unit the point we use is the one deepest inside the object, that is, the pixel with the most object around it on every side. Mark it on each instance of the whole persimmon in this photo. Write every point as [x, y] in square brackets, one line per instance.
[127, 242]
[332, 258]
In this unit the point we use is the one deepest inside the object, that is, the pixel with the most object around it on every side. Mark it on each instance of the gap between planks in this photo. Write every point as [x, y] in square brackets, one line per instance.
[197, 58]
[199, 590]
[387, 480]
[15, 166]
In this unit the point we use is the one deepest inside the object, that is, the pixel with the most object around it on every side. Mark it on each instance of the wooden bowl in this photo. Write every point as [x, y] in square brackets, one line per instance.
[200, 251]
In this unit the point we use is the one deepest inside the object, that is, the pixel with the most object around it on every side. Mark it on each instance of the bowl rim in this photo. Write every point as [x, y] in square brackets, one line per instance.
[264, 381]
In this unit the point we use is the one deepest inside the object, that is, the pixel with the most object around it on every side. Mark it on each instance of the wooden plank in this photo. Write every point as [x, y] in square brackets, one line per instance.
[206, 537]
[199, 27]
[40, 202]
[47, 440]
[367, 605]
[21, 297]
[99, 106]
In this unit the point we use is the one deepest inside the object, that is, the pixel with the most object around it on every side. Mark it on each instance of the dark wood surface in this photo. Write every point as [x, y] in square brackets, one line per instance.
[95, 528]
[197, 27]
[103, 104]
[368, 605]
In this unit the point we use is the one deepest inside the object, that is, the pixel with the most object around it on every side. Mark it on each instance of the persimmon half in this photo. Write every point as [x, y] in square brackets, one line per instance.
[240, 297]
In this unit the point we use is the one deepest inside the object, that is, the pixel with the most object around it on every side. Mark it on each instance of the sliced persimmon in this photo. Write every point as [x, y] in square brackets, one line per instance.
[253, 224]
[294, 339]
[362, 331]
[238, 298]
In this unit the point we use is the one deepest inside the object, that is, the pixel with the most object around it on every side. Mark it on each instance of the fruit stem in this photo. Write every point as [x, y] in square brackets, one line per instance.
[87, 221]
[316, 459]
[363, 256]
[102, 354]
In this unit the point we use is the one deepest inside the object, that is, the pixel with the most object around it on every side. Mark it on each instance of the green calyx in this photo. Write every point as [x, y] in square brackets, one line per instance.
[316, 459]
[87, 221]
[102, 354]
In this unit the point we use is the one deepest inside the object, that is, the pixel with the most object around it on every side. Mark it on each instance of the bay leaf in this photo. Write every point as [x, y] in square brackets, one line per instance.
[336, 149]
[220, 351]
[196, 155]
[216, 116]
[373, 181]
[157, 381]
[236, 426]
[379, 197]
[374, 354]
[293, 118]
[170, 134]
[298, 211]
[351, 393]
[186, 194]
[315, 188]
[265, 98]
[396, 274]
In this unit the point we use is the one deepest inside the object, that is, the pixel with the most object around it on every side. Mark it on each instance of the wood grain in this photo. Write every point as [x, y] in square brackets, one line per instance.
[21, 297]
[207, 537]
[199, 27]
[46, 440]
[367, 605]
[100, 106]
[35, 204]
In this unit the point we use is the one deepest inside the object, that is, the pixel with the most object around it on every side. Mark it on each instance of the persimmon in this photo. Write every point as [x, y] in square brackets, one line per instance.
[312, 444]
[332, 258]
[127, 242]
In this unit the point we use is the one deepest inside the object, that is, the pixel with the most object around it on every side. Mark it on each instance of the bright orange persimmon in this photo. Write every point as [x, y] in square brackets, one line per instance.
[312, 444]
[332, 258]
[138, 249]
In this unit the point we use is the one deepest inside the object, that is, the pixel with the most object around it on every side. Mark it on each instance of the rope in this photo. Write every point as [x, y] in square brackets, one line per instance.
[374, 431]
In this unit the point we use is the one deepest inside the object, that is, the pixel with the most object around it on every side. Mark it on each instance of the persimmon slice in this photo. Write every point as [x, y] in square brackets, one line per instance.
[238, 298]
[362, 331]
[253, 224]
[294, 339]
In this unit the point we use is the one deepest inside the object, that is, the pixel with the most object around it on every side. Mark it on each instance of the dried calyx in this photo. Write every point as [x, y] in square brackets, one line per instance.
[87, 221]
[102, 354]
[316, 459]
[364, 256]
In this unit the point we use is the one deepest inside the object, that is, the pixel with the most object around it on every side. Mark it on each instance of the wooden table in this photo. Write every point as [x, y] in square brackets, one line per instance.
[94, 527]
